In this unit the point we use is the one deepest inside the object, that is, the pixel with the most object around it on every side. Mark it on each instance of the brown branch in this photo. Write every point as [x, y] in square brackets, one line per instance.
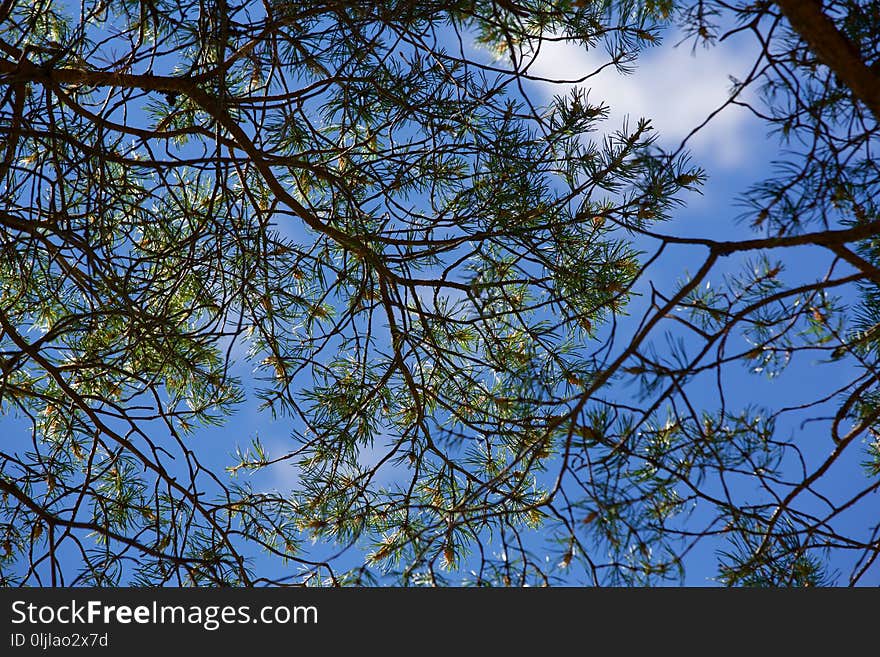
[833, 49]
[10, 488]
[856, 261]
[830, 239]
[26, 71]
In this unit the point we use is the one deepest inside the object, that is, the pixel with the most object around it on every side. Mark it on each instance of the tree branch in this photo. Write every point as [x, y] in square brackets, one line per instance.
[833, 49]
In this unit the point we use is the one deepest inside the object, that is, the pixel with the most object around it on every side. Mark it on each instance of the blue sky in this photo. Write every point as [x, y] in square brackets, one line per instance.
[678, 88]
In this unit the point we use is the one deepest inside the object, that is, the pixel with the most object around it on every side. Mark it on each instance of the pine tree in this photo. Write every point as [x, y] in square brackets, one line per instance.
[426, 273]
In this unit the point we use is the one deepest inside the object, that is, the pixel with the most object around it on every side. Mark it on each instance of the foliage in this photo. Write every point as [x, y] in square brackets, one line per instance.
[358, 213]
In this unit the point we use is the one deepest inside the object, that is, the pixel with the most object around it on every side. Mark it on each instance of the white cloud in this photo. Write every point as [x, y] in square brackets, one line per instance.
[675, 87]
